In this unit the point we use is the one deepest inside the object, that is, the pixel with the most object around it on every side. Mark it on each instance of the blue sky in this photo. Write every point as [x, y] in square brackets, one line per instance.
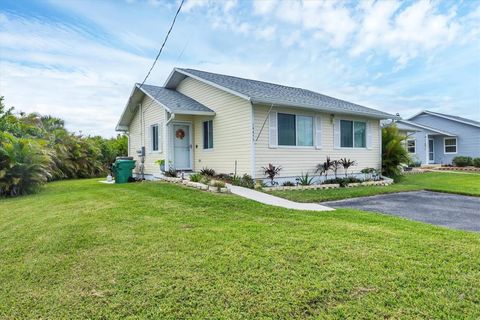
[79, 59]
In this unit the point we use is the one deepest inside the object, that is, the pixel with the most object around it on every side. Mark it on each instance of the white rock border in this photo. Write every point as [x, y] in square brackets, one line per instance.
[385, 182]
[197, 185]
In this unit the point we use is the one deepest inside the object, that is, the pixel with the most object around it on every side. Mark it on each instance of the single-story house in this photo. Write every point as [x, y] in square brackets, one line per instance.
[237, 126]
[436, 138]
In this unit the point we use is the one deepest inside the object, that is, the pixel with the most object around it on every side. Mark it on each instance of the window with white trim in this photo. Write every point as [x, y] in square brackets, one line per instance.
[295, 130]
[411, 145]
[353, 134]
[450, 145]
[154, 137]
[208, 134]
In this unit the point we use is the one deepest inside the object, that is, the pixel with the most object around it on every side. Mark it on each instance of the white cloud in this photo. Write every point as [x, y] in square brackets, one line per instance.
[404, 33]
[262, 7]
[267, 33]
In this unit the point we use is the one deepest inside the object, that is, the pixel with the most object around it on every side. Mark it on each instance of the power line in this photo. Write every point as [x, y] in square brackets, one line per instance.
[163, 44]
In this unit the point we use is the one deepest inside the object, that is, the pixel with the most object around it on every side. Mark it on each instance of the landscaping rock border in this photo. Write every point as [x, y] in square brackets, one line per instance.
[197, 185]
[384, 182]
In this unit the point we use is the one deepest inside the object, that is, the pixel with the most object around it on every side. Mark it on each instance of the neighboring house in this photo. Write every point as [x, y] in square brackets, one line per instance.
[233, 125]
[436, 138]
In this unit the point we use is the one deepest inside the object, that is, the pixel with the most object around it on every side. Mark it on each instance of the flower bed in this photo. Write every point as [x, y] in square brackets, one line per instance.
[197, 185]
[384, 182]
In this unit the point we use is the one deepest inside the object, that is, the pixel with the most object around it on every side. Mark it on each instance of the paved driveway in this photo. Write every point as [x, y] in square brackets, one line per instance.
[443, 209]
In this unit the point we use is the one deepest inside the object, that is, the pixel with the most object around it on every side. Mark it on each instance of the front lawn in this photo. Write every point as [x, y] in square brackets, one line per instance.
[467, 184]
[85, 250]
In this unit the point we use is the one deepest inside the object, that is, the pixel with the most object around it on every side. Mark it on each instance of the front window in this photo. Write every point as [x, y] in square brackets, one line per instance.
[208, 134]
[295, 130]
[154, 135]
[450, 145]
[353, 134]
[411, 145]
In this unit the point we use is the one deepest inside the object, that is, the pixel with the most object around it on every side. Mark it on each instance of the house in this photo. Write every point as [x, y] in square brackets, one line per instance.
[436, 138]
[237, 126]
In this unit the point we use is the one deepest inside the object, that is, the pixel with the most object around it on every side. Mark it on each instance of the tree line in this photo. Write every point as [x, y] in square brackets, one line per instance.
[35, 149]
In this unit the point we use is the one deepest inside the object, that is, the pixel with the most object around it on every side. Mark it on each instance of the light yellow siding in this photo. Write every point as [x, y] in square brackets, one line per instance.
[231, 128]
[295, 160]
[140, 134]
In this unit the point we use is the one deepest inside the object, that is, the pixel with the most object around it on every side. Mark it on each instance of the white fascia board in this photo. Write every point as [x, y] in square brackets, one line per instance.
[238, 94]
[324, 109]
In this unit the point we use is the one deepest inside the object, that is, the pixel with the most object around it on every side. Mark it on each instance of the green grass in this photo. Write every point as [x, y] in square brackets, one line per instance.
[467, 184]
[85, 250]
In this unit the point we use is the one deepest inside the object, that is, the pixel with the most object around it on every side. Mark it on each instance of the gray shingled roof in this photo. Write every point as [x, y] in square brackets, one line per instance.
[472, 122]
[173, 100]
[270, 93]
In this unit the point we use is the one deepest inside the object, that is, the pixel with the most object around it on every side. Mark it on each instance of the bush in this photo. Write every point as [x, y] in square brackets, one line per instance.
[343, 182]
[461, 161]
[271, 172]
[245, 181]
[476, 162]
[171, 172]
[288, 184]
[207, 172]
[196, 177]
[394, 152]
[24, 165]
[218, 184]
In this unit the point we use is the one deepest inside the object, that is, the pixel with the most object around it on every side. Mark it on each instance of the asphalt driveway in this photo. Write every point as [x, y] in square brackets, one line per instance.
[442, 209]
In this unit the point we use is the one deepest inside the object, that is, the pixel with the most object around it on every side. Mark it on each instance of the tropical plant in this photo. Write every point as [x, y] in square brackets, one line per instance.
[207, 172]
[394, 152]
[346, 164]
[24, 165]
[271, 172]
[196, 177]
[367, 172]
[171, 172]
[335, 166]
[305, 179]
[323, 168]
[217, 184]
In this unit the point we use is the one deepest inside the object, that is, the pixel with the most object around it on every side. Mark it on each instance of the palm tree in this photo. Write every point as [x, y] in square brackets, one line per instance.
[394, 152]
[347, 163]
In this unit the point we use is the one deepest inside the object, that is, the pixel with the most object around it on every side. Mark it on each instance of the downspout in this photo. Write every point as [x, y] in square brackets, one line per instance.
[167, 139]
[253, 142]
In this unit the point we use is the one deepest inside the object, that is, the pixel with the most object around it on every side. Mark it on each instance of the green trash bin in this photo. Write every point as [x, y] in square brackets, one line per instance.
[122, 169]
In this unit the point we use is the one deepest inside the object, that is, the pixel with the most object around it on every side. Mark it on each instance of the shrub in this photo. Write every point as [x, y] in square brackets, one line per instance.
[288, 184]
[244, 181]
[343, 182]
[224, 177]
[476, 162]
[461, 161]
[394, 152]
[196, 177]
[207, 172]
[171, 172]
[24, 165]
[271, 172]
[323, 168]
[217, 184]
[305, 179]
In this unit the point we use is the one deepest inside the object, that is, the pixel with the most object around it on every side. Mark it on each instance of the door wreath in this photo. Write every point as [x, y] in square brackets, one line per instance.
[180, 134]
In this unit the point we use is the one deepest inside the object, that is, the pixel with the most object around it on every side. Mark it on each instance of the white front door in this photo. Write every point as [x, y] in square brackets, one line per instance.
[431, 154]
[181, 146]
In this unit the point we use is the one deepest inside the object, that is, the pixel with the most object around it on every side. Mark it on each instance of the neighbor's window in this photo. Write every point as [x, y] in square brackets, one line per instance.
[353, 134]
[154, 136]
[411, 145]
[450, 145]
[295, 130]
[208, 134]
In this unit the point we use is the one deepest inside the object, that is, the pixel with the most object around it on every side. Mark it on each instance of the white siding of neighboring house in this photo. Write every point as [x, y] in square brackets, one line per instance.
[295, 160]
[231, 128]
[140, 135]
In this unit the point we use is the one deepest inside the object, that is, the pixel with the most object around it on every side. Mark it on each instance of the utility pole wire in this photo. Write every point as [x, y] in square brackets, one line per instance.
[163, 44]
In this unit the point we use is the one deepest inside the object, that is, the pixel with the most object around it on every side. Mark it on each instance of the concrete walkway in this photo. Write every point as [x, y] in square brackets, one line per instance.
[275, 201]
